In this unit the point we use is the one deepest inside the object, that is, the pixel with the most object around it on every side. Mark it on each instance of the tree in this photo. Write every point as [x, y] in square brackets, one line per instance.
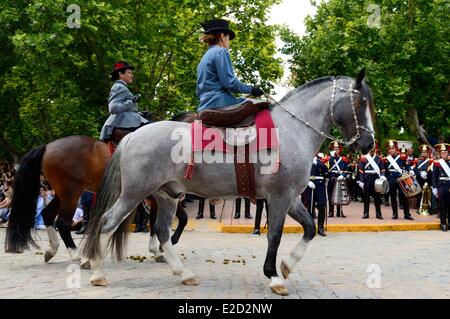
[55, 78]
[406, 56]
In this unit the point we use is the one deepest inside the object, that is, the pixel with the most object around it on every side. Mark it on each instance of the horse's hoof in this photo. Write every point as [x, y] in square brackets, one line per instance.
[160, 259]
[285, 271]
[191, 281]
[48, 256]
[75, 259]
[280, 290]
[85, 264]
[99, 282]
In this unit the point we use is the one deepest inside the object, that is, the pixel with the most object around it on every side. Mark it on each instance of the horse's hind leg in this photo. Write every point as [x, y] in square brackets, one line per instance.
[278, 207]
[299, 213]
[64, 222]
[49, 214]
[111, 221]
[166, 211]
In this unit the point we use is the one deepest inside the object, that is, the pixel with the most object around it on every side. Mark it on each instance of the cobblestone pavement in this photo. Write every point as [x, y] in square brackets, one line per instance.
[341, 265]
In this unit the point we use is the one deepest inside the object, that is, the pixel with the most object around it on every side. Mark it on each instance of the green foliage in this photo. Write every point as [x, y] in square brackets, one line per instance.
[407, 58]
[55, 79]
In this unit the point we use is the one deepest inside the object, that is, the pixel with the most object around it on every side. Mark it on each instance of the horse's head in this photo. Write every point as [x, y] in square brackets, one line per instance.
[352, 113]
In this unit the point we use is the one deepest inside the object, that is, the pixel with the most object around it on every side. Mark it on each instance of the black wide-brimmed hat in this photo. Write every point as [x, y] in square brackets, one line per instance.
[121, 66]
[218, 26]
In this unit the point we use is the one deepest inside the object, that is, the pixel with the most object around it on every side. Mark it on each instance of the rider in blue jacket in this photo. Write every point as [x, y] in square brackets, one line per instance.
[216, 81]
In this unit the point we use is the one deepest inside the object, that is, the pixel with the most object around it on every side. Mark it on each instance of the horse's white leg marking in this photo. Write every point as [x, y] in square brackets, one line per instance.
[73, 253]
[53, 243]
[277, 285]
[98, 278]
[287, 264]
[153, 247]
[177, 267]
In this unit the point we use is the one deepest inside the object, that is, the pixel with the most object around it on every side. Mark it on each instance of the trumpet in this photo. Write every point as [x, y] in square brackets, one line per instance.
[425, 201]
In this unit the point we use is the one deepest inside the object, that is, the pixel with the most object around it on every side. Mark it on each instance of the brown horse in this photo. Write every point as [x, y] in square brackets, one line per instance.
[71, 165]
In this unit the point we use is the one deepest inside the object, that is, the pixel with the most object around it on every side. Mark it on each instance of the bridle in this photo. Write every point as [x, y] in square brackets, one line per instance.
[358, 127]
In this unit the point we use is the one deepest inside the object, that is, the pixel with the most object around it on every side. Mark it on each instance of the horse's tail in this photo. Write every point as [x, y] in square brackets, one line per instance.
[23, 206]
[108, 194]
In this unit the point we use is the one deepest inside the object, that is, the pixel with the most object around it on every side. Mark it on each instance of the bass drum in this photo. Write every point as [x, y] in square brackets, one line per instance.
[409, 185]
[381, 186]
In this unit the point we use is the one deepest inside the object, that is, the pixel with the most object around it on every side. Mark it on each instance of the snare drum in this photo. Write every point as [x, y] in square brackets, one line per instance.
[381, 186]
[409, 185]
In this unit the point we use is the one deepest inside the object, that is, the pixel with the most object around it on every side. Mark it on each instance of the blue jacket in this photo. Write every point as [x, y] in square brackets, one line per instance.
[124, 112]
[216, 80]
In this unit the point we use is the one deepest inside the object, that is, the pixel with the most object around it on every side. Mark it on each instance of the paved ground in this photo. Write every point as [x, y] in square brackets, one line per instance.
[341, 265]
[354, 213]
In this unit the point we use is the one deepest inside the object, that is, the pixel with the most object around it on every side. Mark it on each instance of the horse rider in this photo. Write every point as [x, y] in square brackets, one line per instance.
[424, 169]
[315, 193]
[441, 183]
[123, 108]
[338, 171]
[370, 168]
[395, 165]
[216, 80]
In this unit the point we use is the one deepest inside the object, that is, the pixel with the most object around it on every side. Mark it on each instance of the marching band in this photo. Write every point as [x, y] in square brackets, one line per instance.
[422, 182]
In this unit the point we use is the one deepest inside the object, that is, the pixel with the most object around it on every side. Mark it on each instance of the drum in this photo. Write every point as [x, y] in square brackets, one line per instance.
[409, 185]
[340, 195]
[381, 186]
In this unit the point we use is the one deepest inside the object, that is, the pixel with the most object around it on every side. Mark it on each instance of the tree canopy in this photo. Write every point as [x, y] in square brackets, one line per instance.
[55, 78]
[404, 45]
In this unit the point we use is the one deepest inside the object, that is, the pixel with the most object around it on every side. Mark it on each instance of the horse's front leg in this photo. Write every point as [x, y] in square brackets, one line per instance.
[299, 213]
[277, 207]
[166, 211]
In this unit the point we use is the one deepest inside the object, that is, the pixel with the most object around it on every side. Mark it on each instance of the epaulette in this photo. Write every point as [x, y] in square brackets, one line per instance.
[345, 159]
[436, 163]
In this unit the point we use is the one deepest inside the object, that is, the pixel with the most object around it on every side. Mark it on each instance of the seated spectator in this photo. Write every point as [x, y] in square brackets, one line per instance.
[42, 202]
[77, 220]
[5, 206]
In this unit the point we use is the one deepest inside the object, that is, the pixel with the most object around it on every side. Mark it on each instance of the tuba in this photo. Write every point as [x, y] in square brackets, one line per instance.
[340, 195]
[425, 202]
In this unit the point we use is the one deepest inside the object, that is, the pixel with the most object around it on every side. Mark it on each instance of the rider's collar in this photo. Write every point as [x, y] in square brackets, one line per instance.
[123, 82]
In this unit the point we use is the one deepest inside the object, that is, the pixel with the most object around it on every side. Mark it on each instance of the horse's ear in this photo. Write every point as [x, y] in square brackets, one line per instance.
[360, 78]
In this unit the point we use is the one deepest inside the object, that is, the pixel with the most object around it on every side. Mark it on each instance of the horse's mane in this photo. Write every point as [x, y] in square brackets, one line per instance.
[311, 83]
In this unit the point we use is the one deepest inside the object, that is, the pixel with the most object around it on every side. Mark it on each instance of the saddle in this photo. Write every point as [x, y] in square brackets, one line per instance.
[242, 118]
[240, 115]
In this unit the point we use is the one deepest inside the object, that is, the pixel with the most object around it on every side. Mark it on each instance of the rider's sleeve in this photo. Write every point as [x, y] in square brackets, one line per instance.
[227, 78]
[121, 100]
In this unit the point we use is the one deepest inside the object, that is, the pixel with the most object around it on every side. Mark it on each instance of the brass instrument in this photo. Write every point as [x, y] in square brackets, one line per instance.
[425, 202]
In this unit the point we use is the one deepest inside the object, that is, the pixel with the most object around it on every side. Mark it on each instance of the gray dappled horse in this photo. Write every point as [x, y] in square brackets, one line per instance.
[142, 166]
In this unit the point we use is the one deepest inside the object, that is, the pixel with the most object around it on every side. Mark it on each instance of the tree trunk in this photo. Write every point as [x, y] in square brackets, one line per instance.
[414, 127]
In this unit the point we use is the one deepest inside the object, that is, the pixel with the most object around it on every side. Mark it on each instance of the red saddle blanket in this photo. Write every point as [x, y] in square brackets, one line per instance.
[210, 138]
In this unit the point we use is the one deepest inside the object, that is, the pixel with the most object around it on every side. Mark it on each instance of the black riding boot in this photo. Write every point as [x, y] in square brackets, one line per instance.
[212, 211]
[406, 209]
[366, 206]
[201, 206]
[331, 212]
[247, 209]
[237, 212]
[321, 220]
[258, 215]
[340, 212]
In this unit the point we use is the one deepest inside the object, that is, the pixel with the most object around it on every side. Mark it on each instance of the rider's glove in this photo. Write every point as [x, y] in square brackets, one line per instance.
[256, 91]
[136, 98]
